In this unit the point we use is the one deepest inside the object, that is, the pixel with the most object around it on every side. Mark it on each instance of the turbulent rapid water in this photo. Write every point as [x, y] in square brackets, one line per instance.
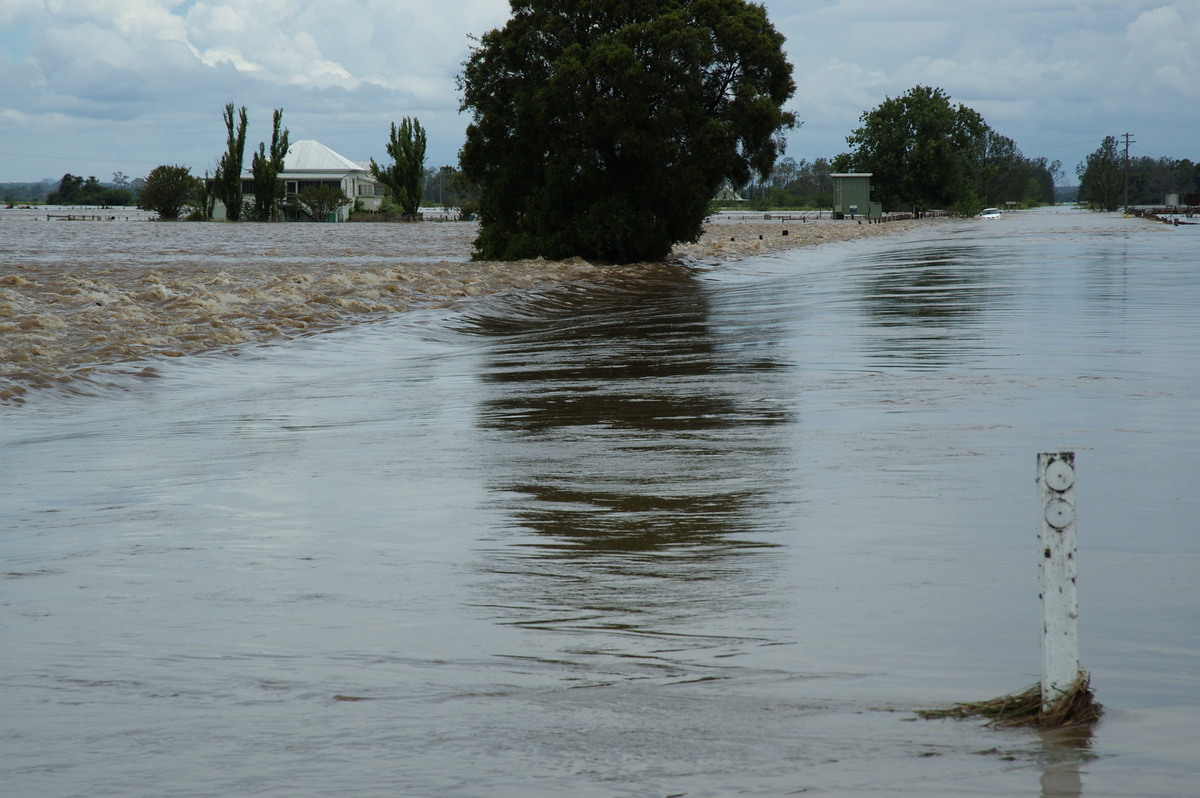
[87, 297]
[77, 297]
[693, 531]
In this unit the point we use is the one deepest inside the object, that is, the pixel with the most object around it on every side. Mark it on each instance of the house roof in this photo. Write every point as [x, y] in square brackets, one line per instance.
[309, 155]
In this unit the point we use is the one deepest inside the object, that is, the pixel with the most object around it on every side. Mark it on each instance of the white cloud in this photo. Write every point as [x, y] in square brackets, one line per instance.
[162, 70]
[1164, 49]
[1055, 76]
[142, 82]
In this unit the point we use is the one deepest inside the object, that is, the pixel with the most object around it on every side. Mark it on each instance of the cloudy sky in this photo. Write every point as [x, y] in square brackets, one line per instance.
[94, 87]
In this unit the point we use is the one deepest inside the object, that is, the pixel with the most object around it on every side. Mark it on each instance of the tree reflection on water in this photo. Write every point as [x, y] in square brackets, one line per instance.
[635, 445]
[628, 421]
[926, 306]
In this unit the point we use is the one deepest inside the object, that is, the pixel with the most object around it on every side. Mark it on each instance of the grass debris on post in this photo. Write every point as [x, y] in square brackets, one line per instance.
[1064, 696]
[1074, 707]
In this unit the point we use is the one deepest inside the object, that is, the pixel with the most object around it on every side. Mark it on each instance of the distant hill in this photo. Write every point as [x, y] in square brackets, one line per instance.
[1066, 193]
[26, 192]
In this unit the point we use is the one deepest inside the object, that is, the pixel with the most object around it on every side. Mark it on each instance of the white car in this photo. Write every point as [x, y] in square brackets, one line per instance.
[990, 213]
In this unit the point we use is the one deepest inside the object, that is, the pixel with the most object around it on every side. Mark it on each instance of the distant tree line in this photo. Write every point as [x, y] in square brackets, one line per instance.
[75, 190]
[923, 153]
[792, 184]
[13, 193]
[447, 187]
[927, 153]
[1152, 179]
[1103, 176]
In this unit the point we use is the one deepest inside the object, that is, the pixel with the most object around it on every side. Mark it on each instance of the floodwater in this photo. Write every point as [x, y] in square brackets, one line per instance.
[78, 297]
[705, 533]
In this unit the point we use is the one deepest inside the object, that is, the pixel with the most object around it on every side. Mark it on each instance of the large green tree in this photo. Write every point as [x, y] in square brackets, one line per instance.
[69, 191]
[1102, 177]
[603, 129]
[266, 166]
[168, 190]
[227, 185]
[405, 177]
[923, 152]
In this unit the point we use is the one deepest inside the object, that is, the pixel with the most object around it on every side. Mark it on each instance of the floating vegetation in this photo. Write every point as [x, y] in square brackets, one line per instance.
[1075, 707]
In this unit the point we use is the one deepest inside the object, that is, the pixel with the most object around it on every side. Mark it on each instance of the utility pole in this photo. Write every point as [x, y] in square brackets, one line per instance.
[1128, 140]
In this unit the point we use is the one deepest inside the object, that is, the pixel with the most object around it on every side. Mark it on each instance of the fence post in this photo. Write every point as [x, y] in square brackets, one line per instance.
[1060, 635]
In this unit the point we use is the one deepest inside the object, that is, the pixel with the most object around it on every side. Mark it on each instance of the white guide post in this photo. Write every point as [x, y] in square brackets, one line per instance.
[1060, 635]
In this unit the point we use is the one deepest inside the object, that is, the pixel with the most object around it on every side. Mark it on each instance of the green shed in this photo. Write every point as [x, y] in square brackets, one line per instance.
[852, 196]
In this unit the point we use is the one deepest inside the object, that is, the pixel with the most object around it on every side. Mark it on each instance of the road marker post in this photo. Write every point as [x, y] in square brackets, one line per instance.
[1064, 697]
[1060, 606]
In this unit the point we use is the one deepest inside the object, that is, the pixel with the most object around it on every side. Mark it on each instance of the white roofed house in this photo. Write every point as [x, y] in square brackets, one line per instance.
[311, 163]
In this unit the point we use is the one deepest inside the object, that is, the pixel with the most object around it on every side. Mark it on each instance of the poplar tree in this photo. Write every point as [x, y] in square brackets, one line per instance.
[405, 176]
[228, 182]
[268, 190]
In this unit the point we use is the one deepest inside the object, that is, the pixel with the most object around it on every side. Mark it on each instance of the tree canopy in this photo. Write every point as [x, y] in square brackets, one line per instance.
[604, 129]
[924, 152]
[1101, 178]
[321, 202]
[405, 177]
[168, 190]
[265, 166]
[227, 185]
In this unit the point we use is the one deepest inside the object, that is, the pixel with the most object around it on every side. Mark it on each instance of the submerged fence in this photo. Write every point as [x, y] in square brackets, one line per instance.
[1168, 214]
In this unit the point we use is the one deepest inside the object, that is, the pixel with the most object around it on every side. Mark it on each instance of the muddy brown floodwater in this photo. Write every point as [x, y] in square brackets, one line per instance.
[709, 529]
[80, 296]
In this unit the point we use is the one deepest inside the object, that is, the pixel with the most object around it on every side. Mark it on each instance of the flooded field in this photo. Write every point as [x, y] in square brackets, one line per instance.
[707, 530]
